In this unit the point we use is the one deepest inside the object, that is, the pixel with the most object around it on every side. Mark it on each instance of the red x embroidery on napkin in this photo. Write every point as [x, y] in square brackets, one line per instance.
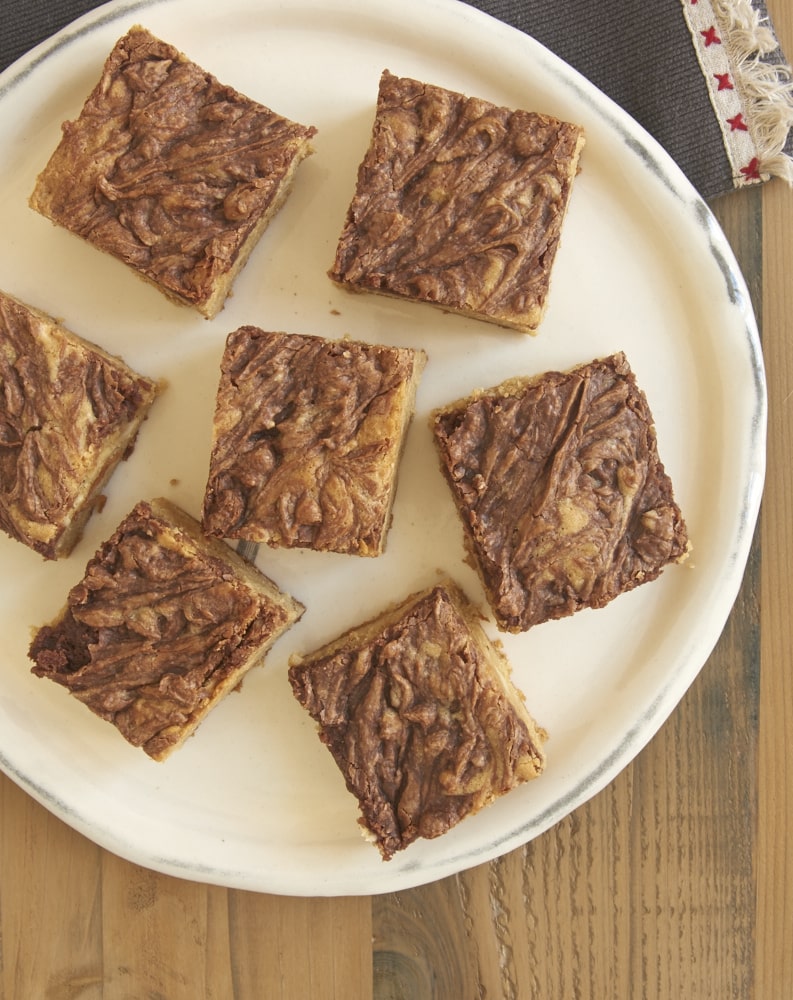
[752, 170]
[710, 36]
[724, 81]
[737, 123]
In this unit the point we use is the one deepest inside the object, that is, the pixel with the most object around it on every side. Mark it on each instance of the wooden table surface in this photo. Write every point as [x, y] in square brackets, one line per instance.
[676, 881]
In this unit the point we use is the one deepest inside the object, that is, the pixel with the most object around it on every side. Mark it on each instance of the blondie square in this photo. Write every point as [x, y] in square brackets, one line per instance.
[69, 412]
[170, 171]
[459, 203]
[420, 714]
[564, 501]
[164, 623]
[307, 440]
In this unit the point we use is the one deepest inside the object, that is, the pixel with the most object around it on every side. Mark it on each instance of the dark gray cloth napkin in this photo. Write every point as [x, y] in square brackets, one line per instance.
[706, 78]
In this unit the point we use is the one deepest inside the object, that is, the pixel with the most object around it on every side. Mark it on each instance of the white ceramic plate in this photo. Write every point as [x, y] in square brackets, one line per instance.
[254, 800]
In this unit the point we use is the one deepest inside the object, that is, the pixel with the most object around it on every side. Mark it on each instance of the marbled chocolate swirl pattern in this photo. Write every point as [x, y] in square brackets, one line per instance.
[307, 437]
[459, 203]
[422, 724]
[563, 497]
[154, 628]
[65, 409]
[166, 168]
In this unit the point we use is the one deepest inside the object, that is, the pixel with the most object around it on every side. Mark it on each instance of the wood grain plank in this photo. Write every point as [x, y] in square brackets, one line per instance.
[775, 842]
[285, 947]
[155, 932]
[47, 951]
[168, 939]
[424, 944]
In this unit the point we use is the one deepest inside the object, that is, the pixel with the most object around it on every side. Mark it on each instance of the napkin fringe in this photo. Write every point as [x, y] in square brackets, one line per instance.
[766, 86]
[750, 86]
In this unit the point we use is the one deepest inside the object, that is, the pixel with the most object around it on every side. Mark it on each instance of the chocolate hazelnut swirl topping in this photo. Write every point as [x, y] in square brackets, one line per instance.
[307, 437]
[68, 412]
[459, 203]
[564, 500]
[421, 718]
[168, 169]
[153, 631]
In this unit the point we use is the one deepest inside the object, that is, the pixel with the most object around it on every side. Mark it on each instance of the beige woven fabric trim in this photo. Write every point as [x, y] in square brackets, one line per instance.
[751, 95]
